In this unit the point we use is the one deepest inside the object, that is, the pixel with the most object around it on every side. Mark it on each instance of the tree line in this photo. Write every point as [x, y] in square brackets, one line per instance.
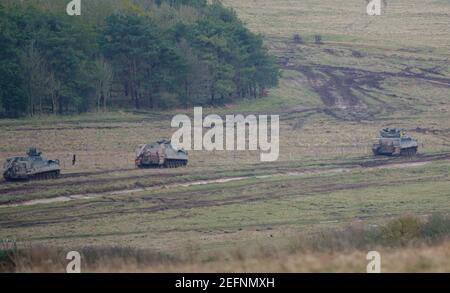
[141, 54]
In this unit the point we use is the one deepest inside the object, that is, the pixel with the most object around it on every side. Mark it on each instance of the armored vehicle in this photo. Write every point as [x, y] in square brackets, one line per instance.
[160, 154]
[31, 167]
[394, 142]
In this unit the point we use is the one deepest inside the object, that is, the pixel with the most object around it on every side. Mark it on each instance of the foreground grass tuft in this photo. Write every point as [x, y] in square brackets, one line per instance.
[336, 251]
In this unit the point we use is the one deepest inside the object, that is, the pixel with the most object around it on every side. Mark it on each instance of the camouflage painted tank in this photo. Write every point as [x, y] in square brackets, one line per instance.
[160, 154]
[31, 167]
[394, 142]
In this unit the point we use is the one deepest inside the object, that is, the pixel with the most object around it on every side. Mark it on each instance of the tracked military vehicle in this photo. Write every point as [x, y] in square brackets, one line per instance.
[160, 154]
[394, 142]
[31, 167]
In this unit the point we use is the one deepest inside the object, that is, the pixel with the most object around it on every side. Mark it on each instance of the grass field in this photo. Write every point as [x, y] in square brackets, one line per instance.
[368, 73]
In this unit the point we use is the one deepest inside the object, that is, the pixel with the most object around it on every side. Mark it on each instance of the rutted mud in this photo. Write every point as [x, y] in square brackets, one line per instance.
[340, 91]
[142, 189]
[342, 88]
[185, 199]
[36, 186]
[208, 182]
[351, 93]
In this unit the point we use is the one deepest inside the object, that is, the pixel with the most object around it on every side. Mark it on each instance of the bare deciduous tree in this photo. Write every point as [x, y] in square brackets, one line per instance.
[54, 86]
[33, 67]
[103, 82]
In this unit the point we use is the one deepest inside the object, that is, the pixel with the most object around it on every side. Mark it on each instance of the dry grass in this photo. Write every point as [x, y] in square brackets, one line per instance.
[414, 259]
[402, 23]
[407, 244]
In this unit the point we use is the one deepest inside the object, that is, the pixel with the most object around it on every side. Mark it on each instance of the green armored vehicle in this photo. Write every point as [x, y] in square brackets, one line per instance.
[31, 167]
[394, 142]
[160, 154]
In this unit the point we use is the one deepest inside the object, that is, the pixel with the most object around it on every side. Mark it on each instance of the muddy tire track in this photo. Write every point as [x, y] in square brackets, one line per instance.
[55, 183]
[189, 200]
[344, 88]
[341, 89]
[419, 158]
[35, 187]
[371, 164]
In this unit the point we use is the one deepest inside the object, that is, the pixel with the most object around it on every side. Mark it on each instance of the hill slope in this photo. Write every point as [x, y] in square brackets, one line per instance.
[393, 64]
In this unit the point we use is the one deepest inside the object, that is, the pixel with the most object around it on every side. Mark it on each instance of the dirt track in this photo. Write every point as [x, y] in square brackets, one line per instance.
[184, 199]
[344, 87]
[353, 93]
[384, 163]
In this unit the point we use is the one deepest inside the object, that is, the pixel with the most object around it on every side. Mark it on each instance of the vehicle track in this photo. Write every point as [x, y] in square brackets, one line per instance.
[367, 165]
[180, 200]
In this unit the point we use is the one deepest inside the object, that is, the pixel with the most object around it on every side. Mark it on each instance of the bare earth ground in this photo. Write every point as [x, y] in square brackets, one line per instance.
[368, 73]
